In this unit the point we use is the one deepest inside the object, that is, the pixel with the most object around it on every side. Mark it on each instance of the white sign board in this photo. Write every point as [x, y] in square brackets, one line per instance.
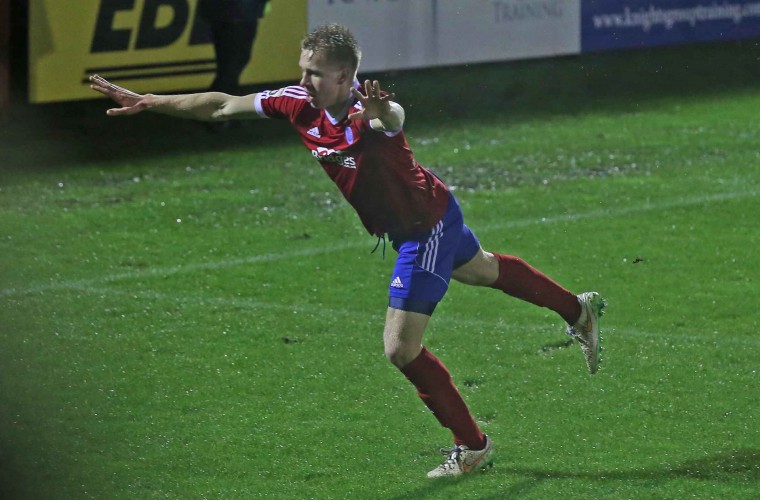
[496, 30]
[400, 34]
[393, 34]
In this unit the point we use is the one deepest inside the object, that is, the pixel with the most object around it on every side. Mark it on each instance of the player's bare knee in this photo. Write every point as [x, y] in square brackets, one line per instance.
[401, 355]
[395, 356]
[482, 270]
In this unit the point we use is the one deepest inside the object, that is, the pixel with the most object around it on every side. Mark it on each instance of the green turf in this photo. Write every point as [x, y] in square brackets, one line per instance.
[187, 315]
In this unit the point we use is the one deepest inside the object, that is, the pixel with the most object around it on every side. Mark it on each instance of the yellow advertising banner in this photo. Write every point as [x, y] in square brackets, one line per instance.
[147, 46]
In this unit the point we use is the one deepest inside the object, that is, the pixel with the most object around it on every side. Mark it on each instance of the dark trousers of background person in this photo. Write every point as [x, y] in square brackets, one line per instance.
[233, 44]
[233, 25]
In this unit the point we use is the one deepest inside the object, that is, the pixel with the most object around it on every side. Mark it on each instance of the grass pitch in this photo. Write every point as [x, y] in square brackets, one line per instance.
[187, 315]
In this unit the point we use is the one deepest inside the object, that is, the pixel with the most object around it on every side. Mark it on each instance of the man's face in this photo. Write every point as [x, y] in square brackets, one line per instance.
[327, 83]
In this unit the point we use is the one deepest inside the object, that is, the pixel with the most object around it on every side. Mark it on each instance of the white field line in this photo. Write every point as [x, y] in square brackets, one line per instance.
[271, 257]
[171, 270]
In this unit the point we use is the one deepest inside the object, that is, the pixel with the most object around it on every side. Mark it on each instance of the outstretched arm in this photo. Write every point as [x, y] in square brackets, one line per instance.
[383, 114]
[207, 106]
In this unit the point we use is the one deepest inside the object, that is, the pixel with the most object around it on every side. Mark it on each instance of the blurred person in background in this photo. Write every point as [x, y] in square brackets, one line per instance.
[233, 25]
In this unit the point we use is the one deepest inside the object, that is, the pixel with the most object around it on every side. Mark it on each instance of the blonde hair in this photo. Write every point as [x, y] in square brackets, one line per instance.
[336, 43]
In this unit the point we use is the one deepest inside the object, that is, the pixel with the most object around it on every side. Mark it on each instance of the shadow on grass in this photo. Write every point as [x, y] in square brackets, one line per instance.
[730, 466]
[77, 133]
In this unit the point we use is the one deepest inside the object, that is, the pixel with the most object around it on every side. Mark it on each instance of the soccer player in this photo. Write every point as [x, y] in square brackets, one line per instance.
[355, 132]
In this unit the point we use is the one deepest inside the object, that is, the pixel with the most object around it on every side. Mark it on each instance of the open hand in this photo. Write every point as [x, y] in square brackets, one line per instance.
[375, 103]
[130, 102]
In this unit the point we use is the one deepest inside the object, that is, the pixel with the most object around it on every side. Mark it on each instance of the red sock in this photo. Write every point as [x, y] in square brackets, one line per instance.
[437, 391]
[518, 279]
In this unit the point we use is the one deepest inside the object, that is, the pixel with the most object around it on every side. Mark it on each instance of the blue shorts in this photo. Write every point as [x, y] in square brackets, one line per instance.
[424, 264]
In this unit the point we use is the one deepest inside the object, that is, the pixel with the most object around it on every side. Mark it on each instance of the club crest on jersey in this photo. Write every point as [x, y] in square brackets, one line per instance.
[349, 135]
[333, 156]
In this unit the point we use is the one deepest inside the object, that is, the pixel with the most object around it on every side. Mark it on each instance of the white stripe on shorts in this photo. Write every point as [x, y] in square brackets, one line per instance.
[430, 254]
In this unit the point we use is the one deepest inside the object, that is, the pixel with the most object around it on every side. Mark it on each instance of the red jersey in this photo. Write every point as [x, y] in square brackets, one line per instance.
[376, 171]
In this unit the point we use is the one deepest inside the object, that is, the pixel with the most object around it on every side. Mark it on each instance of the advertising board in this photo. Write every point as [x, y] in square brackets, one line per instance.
[147, 45]
[610, 25]
[400, 34]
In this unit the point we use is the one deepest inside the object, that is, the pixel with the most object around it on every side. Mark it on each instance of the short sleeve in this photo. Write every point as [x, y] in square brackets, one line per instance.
[282, 103]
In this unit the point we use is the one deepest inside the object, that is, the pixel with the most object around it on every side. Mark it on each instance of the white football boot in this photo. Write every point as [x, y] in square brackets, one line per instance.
[586, 329]
[462, 460]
